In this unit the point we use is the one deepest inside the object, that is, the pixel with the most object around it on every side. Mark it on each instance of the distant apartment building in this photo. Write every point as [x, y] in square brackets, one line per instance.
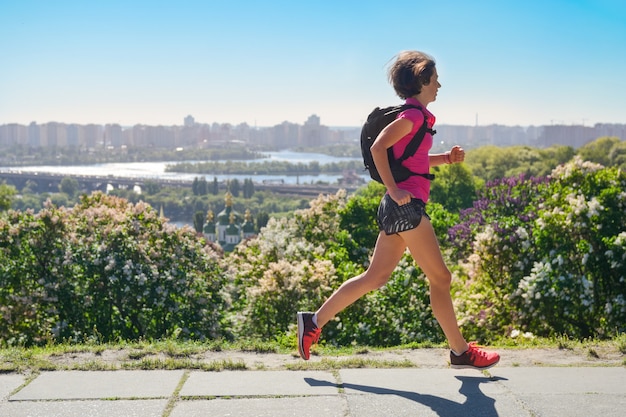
[313, 133]
[611, 129]
[93, 136]
[575, 136]
[12, 133]
[34, 135]
[74, 135]
[113, 135]
[285, 135]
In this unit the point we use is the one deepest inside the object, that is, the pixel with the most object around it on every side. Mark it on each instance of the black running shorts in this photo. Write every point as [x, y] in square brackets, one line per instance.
[393, 218]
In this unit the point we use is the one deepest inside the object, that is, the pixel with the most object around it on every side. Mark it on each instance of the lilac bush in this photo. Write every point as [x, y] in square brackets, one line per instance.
[545, 255]
[286, 267]
[33, 272]
[296, 262]
[105, 269]
[537, 255]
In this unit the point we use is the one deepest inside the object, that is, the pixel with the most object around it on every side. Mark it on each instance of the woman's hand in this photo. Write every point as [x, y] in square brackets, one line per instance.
[401, 197]
[457, 155]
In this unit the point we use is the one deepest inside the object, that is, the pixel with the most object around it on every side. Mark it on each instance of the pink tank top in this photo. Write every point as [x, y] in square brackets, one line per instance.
[419, 186]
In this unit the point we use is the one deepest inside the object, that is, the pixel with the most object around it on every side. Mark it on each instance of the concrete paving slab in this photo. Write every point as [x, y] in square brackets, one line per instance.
[572, 392]
[76, 385]
[8, 383]
[255, 383]
[544, 380]
[331, 406]
[427, 392]
[424, 381]
[426, 405]
[575, 405]
[119, 408]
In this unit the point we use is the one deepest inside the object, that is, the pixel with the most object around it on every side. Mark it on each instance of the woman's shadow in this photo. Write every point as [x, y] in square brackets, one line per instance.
[476, 403]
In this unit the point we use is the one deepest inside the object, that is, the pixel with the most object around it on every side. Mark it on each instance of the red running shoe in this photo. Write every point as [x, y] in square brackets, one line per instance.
[308, 334]
[474, 358]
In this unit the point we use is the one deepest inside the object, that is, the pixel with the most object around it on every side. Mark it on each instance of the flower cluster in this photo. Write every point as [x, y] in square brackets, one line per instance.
[295, 263]
[105, 269]
[553, 262]
[533, 256]
[284, 268]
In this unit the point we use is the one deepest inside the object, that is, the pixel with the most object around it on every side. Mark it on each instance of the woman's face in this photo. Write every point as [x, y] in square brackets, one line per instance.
[429, 91]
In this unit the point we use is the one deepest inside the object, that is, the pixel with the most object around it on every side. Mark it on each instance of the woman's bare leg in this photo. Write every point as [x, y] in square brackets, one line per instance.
[387, 253]
[424, 247]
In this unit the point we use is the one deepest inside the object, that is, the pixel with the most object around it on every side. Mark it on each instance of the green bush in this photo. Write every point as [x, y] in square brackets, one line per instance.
[106, 269]
[546, 256]
[296, 263]
[286, 267]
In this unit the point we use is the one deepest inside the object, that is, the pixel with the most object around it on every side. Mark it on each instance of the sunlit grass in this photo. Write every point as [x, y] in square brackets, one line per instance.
[178, 354]
[349, 363]
[172, 363]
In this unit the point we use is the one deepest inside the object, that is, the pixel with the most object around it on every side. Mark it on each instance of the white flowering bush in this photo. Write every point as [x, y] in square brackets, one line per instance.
[286, 267]
[546, 256]
[533, 256]
[105, 269]
[398, 313]
[295, 263]
[33, 276]
[578, 282]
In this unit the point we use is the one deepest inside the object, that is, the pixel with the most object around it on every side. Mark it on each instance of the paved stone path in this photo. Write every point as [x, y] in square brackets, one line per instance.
[504, 392]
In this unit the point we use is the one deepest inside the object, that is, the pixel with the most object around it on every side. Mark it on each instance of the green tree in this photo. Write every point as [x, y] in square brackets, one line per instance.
[6, 196]
[491, 162]
[598, 150]
[261, 220]
[198, 221]
[199, 186]
[30, 187]
[488, 162]
[151, 187]
[194, 186]
[454, 187]
[617, 156]
[203, 188]
[60, 199]
[234, 186]
[248, 188]
[69, 186]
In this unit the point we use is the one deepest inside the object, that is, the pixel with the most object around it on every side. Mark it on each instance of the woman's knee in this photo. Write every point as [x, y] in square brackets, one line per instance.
[375, 279]
[441, 279]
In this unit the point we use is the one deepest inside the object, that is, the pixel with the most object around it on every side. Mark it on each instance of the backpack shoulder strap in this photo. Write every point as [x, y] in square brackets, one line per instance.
[417, 139]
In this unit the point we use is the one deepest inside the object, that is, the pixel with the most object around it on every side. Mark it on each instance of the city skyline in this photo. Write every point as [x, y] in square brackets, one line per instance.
[516, 64]
[182, 122]
[312, 133]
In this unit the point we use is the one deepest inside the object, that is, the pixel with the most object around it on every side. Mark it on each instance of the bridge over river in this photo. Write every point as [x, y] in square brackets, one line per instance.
[49, 182]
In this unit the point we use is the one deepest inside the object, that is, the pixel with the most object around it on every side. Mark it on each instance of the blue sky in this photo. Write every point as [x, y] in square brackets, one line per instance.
[265, 62]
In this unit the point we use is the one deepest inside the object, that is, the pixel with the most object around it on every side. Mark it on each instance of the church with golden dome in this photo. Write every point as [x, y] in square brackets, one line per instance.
[229, 227]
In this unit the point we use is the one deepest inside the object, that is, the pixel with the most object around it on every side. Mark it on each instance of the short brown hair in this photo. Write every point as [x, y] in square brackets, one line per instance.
[410, 71]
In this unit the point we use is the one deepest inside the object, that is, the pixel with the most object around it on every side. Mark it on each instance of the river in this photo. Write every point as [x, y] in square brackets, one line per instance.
[157, 169]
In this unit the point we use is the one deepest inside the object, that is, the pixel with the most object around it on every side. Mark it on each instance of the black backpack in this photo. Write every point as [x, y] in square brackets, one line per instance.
[377, 120]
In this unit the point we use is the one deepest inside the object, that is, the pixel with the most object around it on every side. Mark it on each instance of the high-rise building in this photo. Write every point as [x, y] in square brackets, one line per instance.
[113, 135]
[74, 134]
[93, 135]
[34, 134]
